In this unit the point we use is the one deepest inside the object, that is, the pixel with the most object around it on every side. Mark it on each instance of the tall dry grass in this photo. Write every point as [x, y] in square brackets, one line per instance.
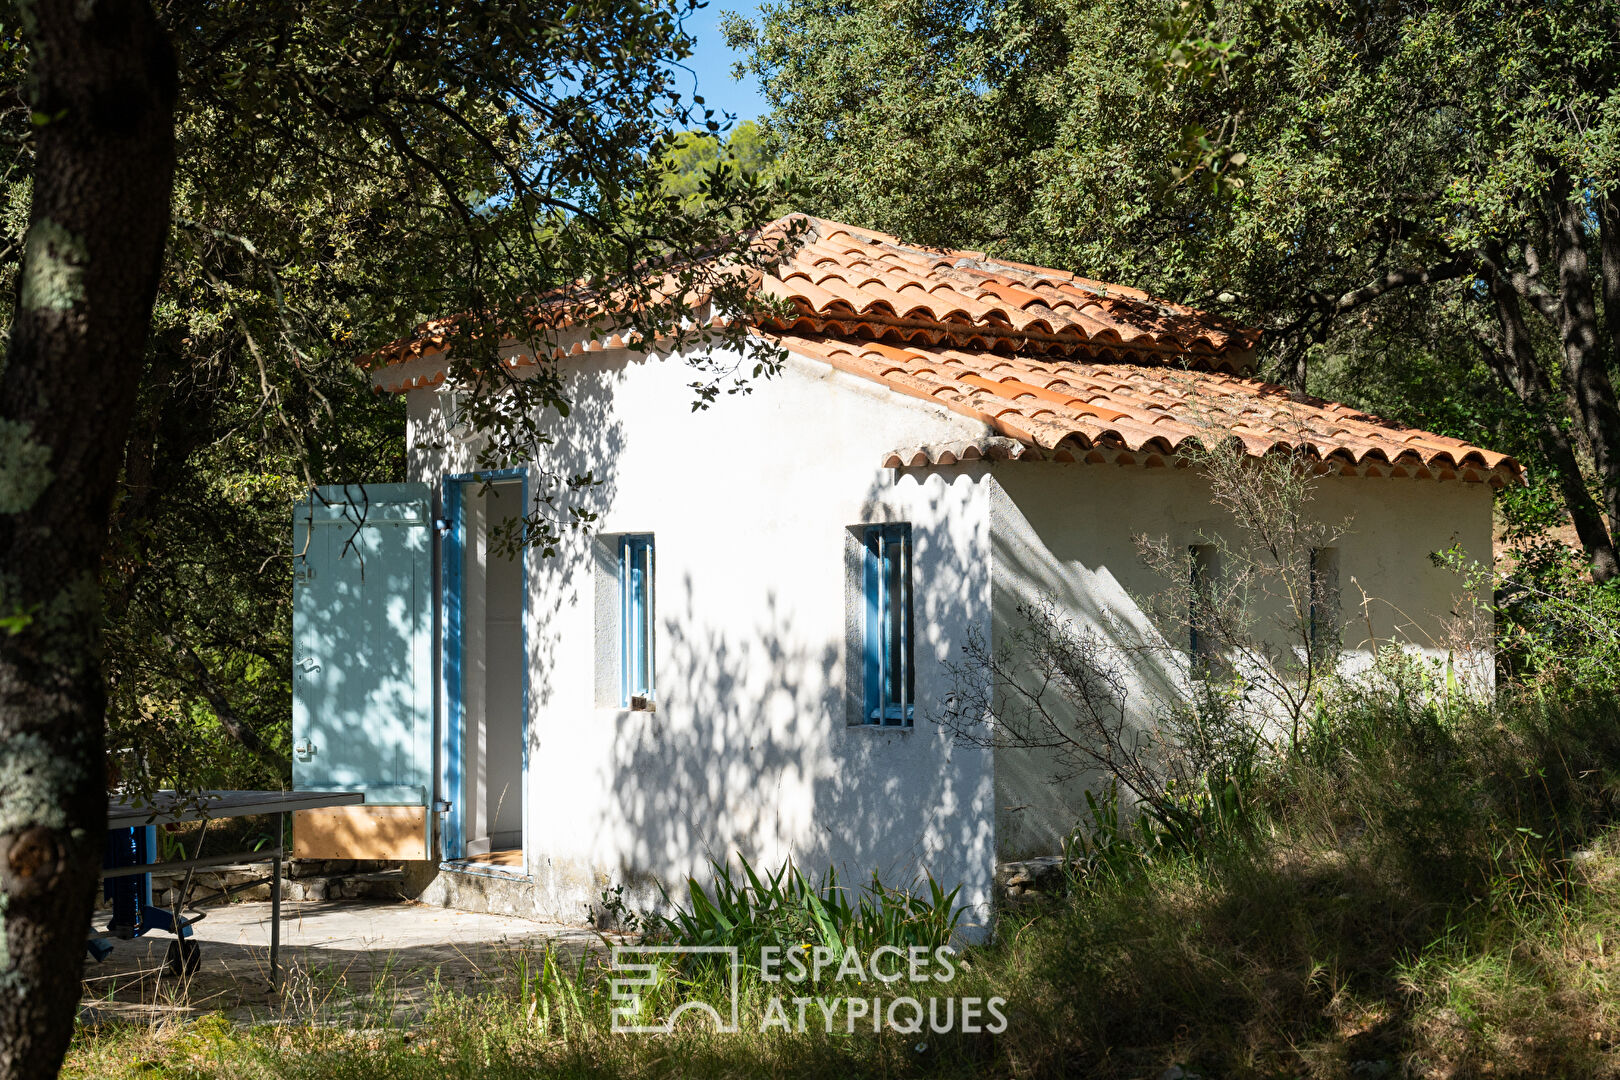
[1429, 887]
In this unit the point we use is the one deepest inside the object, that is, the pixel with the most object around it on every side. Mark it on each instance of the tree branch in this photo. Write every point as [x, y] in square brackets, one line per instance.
[1403, 278]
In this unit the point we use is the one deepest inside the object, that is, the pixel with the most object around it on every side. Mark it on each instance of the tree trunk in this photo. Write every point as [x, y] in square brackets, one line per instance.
[1516, 366]
[104, 86]
[1609, 248]
[1585, 357]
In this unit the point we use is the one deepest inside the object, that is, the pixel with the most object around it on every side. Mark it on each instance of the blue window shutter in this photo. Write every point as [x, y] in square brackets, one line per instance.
[450, 731]
[648, 619]
[907, 680]
[891, 619]
[626, 636]
[362, 634]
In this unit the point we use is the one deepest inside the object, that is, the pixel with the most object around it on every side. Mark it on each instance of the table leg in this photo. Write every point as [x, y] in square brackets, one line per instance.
[275, 906]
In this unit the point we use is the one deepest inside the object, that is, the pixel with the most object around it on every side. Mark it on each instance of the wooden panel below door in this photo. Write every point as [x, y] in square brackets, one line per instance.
[361, 832]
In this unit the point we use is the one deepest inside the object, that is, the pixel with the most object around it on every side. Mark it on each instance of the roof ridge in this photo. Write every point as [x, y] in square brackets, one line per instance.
[849, 279]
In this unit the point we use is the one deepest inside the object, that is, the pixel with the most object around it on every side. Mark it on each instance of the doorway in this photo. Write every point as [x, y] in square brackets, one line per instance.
[487, 716]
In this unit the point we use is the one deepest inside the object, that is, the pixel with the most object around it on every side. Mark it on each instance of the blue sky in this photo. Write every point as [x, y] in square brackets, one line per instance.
[711, 62]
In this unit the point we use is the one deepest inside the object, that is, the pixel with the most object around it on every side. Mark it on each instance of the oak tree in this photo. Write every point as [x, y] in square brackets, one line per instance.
[222, 205]
[1327, 171]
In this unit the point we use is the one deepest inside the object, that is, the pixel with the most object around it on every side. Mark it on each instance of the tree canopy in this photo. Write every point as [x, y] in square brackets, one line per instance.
[351, 228]
[696, 154]
[1346, 176]
[210, 211]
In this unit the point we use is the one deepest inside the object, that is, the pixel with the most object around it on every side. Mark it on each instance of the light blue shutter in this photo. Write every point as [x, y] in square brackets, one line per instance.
[362, 640]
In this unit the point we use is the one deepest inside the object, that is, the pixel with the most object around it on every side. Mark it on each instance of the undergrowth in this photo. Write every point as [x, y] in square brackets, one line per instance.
[1427, 887]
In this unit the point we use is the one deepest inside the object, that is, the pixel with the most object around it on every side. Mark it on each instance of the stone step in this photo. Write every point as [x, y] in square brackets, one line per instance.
[377, 884]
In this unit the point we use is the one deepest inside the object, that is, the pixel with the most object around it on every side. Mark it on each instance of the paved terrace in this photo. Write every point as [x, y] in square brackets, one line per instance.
[343, 961]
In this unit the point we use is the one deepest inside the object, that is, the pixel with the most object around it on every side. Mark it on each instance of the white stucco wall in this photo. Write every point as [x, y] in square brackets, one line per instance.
[750, 749]
[1068, 533]
[750, 503]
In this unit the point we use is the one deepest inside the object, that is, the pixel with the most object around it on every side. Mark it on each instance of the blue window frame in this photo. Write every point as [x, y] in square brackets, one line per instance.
[636, 617]
[890, 683]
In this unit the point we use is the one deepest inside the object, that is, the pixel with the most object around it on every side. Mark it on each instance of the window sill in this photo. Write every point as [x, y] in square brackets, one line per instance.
[473, 868]
[620, 713]
[636, 705]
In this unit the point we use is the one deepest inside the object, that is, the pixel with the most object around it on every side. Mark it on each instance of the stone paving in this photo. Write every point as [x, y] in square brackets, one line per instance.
[343, 961]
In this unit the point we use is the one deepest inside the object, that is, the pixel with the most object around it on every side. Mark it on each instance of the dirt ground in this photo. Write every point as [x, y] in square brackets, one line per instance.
[340, 958]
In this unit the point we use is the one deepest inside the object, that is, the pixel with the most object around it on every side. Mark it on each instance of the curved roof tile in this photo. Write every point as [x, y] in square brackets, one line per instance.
[1058, 364]
[956, 290]
[1047, 404]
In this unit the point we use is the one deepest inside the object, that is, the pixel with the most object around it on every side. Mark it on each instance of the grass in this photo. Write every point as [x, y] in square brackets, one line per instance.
[1422, 891]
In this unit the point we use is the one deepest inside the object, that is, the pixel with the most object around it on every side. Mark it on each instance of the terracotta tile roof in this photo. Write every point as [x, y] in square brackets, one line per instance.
[853, 282]
[1059, 366]
[1072, 410]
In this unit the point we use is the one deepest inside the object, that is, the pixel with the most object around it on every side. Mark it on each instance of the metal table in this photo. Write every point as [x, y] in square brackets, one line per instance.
[170, 807]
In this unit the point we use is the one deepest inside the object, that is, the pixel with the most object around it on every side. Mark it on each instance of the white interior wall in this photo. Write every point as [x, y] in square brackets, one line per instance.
[474, 677]
[502, 742]
[1068, 532]
[492, 674]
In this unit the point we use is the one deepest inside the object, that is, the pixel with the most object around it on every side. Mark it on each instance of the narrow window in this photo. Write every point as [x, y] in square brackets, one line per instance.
[889, 682]
[1200, 624]
[1324, 598]
[636, 620]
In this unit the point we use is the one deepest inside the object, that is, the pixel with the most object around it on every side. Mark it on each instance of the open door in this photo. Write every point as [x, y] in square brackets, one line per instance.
[484, 748]
[362, 669]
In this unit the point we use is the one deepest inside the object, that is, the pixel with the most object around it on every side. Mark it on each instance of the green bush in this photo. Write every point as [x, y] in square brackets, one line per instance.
[786, 909]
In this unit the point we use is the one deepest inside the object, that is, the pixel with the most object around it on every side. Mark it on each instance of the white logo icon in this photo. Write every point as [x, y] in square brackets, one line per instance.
[644, 965]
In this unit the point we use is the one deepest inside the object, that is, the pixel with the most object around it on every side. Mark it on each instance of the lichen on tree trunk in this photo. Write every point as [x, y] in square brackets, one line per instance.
[103, 89]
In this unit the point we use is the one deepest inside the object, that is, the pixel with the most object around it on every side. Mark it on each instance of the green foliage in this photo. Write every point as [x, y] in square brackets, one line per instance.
[1382, 188]
[1557, 631]
[1425, 883]
[346, 171]
[198, 583]
[1186, 820]
[556, 996]
[1428, 891]
[1102, 844]
[693, 157]
[787, 910]
[1406, 360]
[1046, 131]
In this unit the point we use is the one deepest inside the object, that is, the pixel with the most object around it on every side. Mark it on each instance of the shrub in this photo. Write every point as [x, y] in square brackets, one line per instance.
[785, 909]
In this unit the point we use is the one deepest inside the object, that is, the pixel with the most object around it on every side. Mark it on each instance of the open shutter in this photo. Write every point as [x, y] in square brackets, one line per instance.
[362, 669]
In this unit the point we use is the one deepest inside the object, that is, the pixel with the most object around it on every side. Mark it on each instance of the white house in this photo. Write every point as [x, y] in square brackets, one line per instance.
[749, 653]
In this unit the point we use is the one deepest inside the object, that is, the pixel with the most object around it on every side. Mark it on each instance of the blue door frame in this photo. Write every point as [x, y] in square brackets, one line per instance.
[452, 550]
